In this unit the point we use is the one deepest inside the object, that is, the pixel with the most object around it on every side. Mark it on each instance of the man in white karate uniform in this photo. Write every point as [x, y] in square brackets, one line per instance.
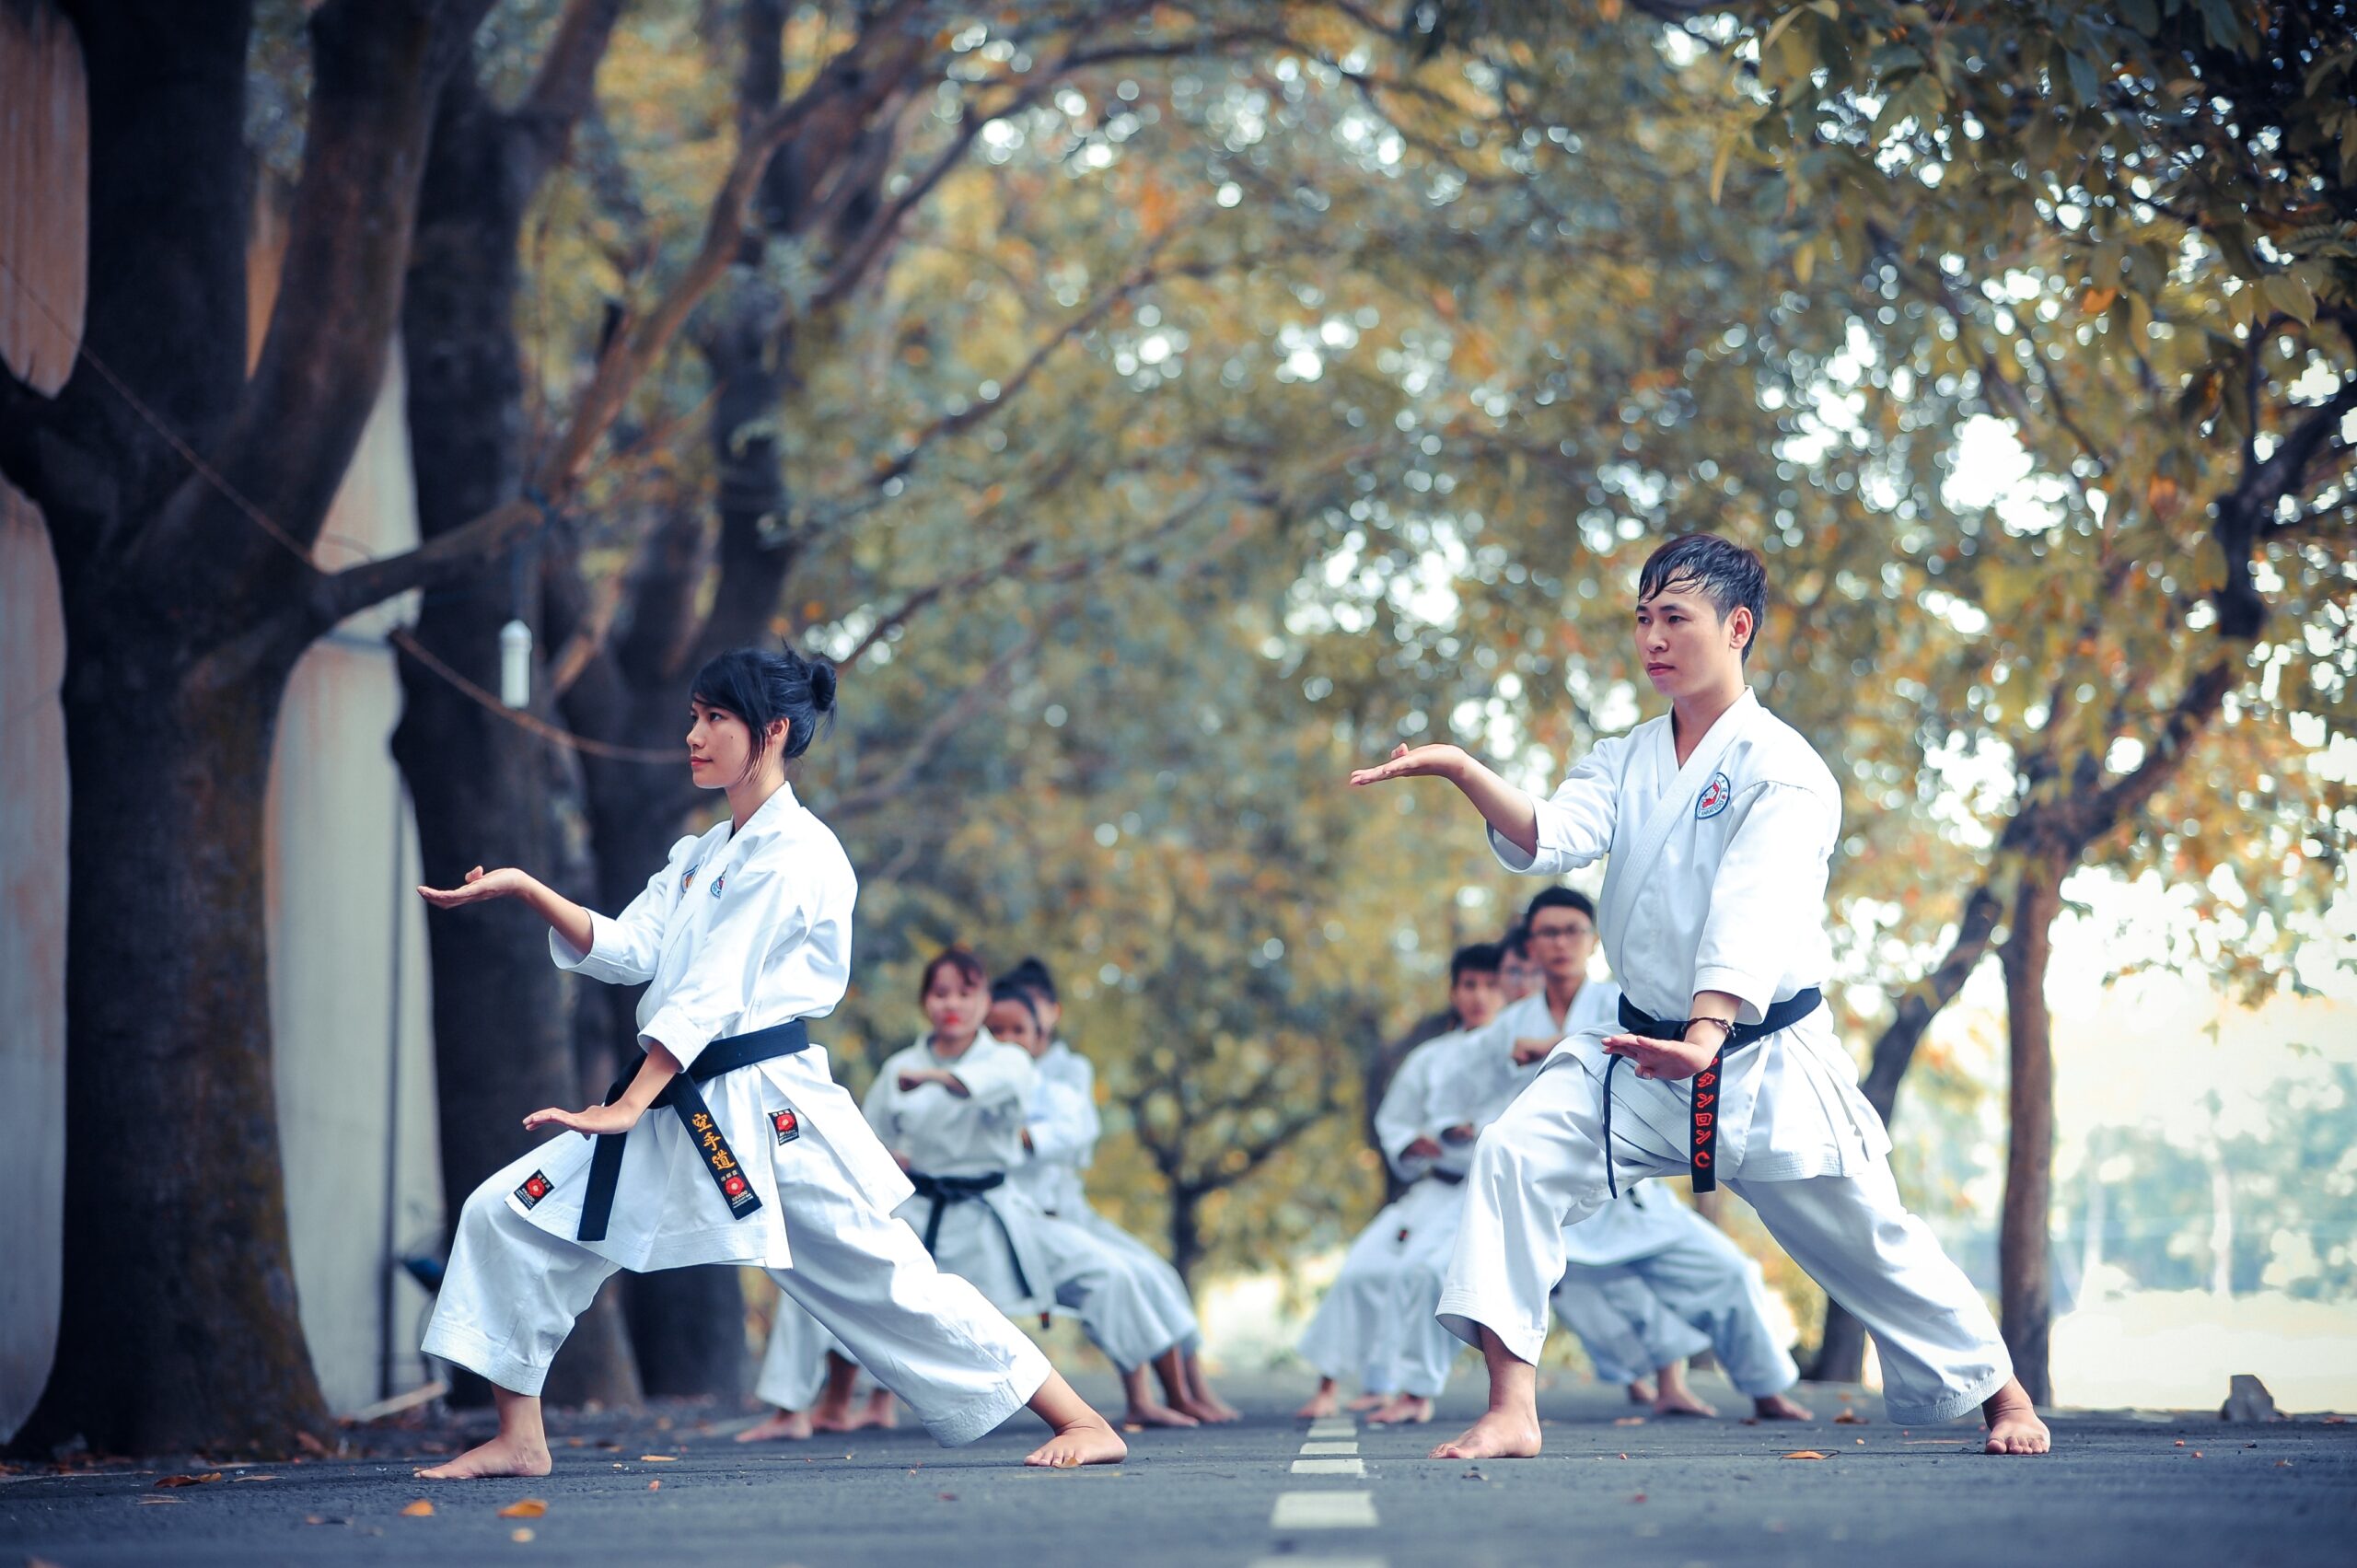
[1720, 823]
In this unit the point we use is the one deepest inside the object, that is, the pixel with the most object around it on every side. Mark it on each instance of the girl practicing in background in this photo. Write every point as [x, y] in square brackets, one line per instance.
[754, 1155]
[1062, 1138]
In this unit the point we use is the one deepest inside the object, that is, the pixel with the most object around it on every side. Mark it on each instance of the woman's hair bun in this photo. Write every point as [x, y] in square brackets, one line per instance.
[822, 685]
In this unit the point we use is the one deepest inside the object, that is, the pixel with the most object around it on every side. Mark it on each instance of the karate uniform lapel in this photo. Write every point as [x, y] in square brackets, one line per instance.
[1630, 867]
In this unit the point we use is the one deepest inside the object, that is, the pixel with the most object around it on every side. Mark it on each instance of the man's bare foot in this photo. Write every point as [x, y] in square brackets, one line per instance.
[1205, 1404]
[880, 1412]
[1679, 1400]
[1087, 1441]
[1501, 1435]
[1187, 1404]
[1150, 1413]
[2014, 1426]
[1321, 1405]
[1405, 1410]
[779, 1426]
[1640, 1392]
[1775, 1406]
[1366, 1402]
[502, 1456]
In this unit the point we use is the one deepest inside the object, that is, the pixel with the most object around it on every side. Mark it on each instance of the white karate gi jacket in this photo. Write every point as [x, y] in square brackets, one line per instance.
[1064, 1127]
[1716, 882]
[738, 932]
[940, 1133]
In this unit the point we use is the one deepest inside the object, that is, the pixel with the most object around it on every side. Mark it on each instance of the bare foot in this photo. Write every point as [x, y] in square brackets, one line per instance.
[1680, 1401]
[779, 1426]
[1321, 1404]
[1640, 1392]
[880, 1412]
[1497, 1435]
[1367, 1401]
[1210, 1407]
[1405, 1410]
[1148, 1413]
[1083, 1442]
[1775, 1406]
[2014, 1426]
[500, 1457]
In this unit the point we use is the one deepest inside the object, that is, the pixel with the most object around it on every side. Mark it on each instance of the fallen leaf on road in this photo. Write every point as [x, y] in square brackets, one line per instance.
[1629, 1421]
[1636, 1497]
[2197, 1452]
[2180, 1442]
[1473, 1475]
[1851, 1418]
[1807, 1454]
[421, 1509]
[148, 1502]
[1860, 1442]
[236, 1479]
[207, 1477]
[946, 1496]
[658, 1458]
[2282, 1464]
[309, 1443]
[1131, 1426]
[525, 1508]
[654, 1486]
[1624, 1456]
[520, 1535]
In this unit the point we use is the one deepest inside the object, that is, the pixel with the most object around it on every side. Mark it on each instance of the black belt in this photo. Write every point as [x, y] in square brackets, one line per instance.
[681, 1095]
[1448, 1177]
[944, 1191]
[1703, 1147]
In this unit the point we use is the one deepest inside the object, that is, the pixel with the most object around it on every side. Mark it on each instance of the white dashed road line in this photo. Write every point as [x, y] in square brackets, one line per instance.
[1332, 1450]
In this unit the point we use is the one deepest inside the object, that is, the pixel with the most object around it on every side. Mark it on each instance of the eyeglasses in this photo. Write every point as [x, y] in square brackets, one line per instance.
[1558, 933]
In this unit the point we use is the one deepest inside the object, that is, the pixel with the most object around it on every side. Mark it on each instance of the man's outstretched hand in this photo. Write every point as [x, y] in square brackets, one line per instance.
[1420, 763]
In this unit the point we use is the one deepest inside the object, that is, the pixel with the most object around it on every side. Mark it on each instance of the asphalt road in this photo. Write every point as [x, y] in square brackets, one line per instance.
[669, 1486]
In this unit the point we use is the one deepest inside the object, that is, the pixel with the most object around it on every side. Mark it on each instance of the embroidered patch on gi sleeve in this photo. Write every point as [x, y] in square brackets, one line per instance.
[717, 883]
[1714, 797]
[536, 1187]
[788, 1127]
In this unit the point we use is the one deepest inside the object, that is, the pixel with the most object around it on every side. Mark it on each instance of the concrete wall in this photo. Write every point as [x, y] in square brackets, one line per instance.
[32, 953]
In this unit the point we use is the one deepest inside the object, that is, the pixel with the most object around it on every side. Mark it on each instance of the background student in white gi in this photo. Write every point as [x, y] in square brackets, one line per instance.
[743, 933]
[1720, 822]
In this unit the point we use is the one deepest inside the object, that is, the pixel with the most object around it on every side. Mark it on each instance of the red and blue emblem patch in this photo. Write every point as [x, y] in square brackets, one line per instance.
[788, 1127]
[536, 1187]
[1714, 797]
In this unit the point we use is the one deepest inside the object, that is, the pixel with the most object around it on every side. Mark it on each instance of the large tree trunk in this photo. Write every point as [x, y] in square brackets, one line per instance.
[485, 791]
[2024, 1250]
[177, 1329]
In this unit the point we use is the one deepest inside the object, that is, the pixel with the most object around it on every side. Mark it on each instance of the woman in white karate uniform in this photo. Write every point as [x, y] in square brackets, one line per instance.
[1061, 1139]
[952, 1108]
[754, 1155]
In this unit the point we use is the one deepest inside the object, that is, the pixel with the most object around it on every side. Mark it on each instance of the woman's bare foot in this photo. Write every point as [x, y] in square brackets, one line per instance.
[2014, 1426]
[1087, 1441]
[1322, 1404]
[1501, 1435]
[1775, 1406]
[1405, 1410]
[1366, 1402]
[1675, 1398]
[1640, 1392]
[1152, 1414]
[779, 1426]
[1206, 1405]
[502, 1456]
[880, 1412]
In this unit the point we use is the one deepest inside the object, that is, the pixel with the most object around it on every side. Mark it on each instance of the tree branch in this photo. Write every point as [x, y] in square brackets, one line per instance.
[566, 88]
[335, 594]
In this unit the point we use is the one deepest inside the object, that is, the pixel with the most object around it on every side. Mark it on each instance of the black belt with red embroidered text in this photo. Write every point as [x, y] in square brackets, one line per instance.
[1703, 1141]
[682, 1098]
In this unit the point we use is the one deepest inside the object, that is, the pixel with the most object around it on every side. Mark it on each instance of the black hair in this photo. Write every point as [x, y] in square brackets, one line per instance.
[761, 688]
[1726, 570]
[1474, 957]
[967, 967]
[1033, 976]
[1558, 899]
[1514, 943]
[1010, 990]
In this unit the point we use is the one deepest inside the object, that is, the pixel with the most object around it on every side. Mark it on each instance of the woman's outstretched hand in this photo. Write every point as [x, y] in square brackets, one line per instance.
[479, 887]
[1671, 1059]
[1421, 762]
[596, 1120]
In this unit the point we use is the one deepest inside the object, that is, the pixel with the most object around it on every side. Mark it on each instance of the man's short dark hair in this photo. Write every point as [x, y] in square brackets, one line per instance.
[1516, 943]
[1558, 899]
[1474, 957]
[1720, 568]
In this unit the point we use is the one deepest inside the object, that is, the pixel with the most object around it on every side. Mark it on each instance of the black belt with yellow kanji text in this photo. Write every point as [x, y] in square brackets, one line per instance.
[703, 1130]
[1703, 1143]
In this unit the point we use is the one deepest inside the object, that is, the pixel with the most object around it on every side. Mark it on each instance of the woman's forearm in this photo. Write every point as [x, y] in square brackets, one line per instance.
[659, 1068]
[568, 919]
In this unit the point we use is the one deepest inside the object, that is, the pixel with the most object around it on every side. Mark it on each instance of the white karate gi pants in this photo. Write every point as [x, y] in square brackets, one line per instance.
[1115, 1309]
[794, 1364]
[513, 1291]
[1540, 1167]
[1165, 1291]
[1622, 1326]
[1375, 1323]
[1703, 1280]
